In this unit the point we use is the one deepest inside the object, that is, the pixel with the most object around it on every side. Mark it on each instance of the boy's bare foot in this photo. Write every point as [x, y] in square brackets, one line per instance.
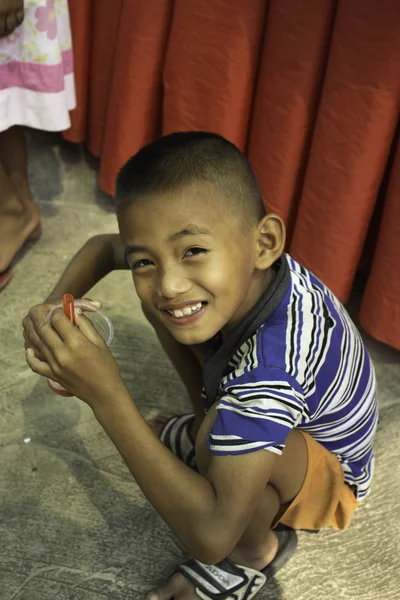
[16, 227]
[180, 588]
[177, 588]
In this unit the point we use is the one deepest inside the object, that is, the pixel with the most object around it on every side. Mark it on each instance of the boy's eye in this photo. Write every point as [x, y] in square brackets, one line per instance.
[195, 251]
[138, 264]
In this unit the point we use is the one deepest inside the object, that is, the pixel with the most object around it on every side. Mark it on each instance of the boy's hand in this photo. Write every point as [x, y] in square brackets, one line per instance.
[11, 15]
[35, 319]
[77, 358]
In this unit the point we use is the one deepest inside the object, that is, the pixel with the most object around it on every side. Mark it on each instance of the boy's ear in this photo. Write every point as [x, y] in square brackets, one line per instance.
[270, 239]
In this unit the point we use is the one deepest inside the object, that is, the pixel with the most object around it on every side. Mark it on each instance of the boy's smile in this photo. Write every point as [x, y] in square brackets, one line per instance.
[192, 264]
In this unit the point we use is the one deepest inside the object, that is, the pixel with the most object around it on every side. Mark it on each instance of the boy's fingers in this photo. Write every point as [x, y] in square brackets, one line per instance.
[61, 326]
[87, 328]
[28, 344]
[42, 352]
[38, 366]
[67, 331]
[30, 335]
[49, 335]
[32, 339]
[97, 305]
[37, 315]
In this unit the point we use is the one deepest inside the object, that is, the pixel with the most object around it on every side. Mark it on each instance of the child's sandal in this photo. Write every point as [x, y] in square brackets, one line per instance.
[227, 581]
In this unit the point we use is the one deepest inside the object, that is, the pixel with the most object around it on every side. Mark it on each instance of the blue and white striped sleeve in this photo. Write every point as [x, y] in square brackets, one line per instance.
[257, 410]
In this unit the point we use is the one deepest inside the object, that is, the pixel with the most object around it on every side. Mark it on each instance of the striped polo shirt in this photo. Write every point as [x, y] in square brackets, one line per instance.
[296, 360]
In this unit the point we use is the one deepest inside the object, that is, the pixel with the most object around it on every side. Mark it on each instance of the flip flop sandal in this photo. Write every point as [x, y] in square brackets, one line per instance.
[227, 581]
[176, 435]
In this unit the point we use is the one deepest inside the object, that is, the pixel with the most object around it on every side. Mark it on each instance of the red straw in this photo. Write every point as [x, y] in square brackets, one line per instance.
[68, 305]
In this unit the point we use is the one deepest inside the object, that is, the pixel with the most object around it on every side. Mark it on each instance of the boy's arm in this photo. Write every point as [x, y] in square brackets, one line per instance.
[99, 256]
[208, 514]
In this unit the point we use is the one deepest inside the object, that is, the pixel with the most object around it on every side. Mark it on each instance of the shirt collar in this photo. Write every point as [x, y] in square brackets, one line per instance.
[219, 352]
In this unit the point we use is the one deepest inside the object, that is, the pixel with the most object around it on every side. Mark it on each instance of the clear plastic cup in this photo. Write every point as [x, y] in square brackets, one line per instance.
[101, 322]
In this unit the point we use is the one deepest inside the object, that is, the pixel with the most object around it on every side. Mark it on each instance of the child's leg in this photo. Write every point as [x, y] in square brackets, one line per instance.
[14, 156]
[188, 368]
[259, 544]
[19, 217]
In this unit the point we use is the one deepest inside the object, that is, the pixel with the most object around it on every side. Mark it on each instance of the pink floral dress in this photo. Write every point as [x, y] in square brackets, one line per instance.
[36, 69]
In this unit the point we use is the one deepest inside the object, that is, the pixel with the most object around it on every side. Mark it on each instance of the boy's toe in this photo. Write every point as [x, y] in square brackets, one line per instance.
[177, 588]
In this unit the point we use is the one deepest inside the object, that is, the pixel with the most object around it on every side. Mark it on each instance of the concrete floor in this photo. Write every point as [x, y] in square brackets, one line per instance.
[73, 523]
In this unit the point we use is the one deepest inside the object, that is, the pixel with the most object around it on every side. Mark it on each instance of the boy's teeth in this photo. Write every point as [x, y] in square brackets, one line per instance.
[185, 312]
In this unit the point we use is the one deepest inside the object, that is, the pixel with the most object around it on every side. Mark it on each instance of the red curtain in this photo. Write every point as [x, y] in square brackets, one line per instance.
[309, 89]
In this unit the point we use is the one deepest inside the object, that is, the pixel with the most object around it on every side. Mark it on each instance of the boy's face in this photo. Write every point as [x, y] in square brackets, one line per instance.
[192, 265]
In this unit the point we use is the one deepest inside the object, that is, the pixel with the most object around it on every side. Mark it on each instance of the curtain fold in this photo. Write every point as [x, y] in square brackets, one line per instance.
[293, 62]
[309, 89]
[356, 123]
[211, 66]
[380, 308]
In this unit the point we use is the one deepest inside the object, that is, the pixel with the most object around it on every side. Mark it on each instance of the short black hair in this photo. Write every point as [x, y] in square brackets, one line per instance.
[188, 157]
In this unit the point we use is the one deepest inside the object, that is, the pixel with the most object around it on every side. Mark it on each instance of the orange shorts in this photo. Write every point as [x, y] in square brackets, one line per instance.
[324, 500]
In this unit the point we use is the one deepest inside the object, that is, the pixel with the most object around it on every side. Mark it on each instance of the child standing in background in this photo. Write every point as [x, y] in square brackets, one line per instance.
[36, 90]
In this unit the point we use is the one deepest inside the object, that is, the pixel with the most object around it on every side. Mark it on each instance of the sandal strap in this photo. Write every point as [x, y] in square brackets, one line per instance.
[176, 435]
[223, 581]
[228, 581]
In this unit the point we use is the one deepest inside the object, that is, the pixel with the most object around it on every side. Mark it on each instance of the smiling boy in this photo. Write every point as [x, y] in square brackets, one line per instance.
[283, 390]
